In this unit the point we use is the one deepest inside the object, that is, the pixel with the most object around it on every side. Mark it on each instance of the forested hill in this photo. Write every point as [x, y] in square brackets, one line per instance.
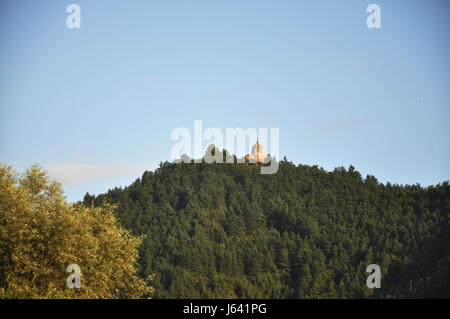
[226, 231]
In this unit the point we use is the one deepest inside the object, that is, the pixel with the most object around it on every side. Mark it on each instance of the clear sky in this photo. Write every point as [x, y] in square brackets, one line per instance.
[96, 106]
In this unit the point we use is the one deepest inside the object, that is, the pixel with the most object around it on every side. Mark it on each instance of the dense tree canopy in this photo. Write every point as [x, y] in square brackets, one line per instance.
[224, 230]
[41, 235]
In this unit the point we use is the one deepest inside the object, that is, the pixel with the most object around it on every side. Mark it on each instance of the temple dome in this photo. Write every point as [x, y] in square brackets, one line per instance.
[257, 154]
[257, 148]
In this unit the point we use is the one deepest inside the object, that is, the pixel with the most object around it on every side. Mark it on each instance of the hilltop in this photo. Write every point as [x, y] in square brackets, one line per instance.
[226, 231]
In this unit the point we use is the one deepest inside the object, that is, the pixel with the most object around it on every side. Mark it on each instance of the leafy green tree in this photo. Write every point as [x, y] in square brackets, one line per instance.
[41, 234]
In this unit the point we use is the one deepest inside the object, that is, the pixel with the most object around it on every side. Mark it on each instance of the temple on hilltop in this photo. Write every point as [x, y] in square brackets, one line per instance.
[257, 154]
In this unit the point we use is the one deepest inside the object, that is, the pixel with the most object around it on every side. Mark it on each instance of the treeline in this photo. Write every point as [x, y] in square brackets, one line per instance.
[226, 231]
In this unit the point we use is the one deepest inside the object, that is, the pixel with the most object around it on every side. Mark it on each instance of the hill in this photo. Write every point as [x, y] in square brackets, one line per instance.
[226, 231]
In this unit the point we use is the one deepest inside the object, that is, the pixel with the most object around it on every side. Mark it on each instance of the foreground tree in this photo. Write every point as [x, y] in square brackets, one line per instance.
[41, 234]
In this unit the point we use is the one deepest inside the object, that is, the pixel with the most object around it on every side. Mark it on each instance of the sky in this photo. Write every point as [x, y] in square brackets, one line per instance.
[96, 106]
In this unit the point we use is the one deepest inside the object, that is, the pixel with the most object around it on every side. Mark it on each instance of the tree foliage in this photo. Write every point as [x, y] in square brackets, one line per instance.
[224, 230]
[41, 234]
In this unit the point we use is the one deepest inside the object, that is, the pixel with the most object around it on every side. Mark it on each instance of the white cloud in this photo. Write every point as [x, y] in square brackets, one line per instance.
[79, 173]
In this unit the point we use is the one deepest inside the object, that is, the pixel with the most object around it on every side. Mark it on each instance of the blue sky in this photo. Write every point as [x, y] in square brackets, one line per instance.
[96, 106]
